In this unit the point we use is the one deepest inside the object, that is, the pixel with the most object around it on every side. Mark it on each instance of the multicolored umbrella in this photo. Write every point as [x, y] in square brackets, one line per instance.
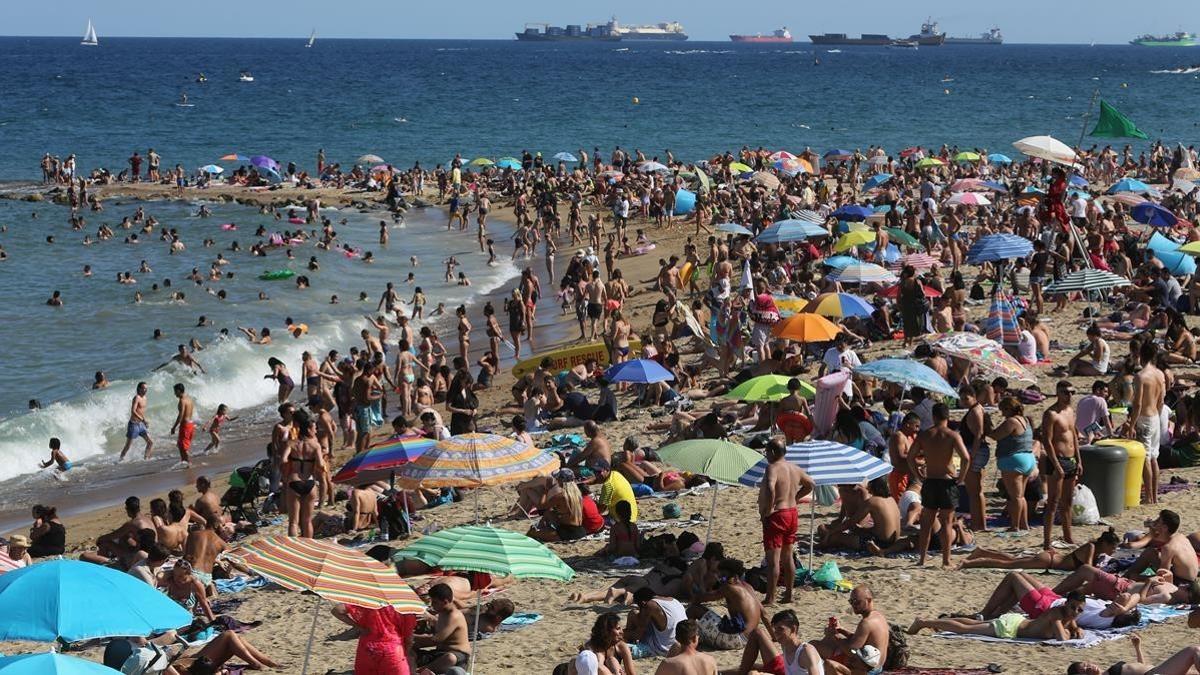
[805, 328]
[893, 292]
[790, 230]
[862, 273]
[853, 240]
[233, 157]
[332, 571]
[918, 261]
[1001, 323]
[378, 462]
[475, 460]
[968, 198]
[793, 166]
[781, 154]
[908, 373]
[995, 247]
[767, 388]
[985, 354]
[839, 305]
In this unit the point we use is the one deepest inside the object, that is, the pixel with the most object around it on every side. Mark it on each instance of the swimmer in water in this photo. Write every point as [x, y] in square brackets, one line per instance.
[57, 457]
[184, 357]
[100, 381]
[412, 260]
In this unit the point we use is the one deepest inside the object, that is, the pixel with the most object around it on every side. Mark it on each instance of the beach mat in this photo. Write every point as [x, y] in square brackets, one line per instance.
[939, 671]
[1091, 638]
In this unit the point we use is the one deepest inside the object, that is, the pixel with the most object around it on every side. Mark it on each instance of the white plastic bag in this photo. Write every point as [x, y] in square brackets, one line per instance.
[1084, 510]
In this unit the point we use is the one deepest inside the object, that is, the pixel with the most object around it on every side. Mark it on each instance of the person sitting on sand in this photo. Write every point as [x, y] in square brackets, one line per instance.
[742, 604]
[605, 652]
[16, 554]
[624, 540]
[172, 535]
[1184, 661]
[183, 587]
[865, 522]
[1034, 598]
[862, 651]
[793, 657]
[1057, 623]
[450, 643]
[1168, 549]
[563, 516]
[652, 621]
[1087, 554]
[688, 659]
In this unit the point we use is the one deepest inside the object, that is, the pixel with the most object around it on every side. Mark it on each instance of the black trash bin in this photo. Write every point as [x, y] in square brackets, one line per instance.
[1104, 474]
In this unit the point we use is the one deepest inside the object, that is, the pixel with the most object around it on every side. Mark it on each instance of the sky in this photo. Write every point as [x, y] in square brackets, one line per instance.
[1036, 21]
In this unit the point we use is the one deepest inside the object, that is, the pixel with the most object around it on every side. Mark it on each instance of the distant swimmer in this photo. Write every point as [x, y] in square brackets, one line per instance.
[183, 98]
[138, 425]
[184, 357]
[55, 299]
[100, 381]
[201, 78]
[57, 458]
[262, 337]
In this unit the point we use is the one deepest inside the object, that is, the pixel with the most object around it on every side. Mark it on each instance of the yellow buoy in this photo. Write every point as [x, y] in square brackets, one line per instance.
[635, 100]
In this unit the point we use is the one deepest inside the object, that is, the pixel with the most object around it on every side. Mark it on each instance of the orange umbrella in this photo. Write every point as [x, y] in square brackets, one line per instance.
[806, 327]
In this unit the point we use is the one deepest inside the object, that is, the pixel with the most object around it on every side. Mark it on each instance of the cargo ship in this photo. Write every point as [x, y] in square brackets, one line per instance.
[992, 37]
[929, 36]
[1180, 39]
[604, 32]
[781, 35]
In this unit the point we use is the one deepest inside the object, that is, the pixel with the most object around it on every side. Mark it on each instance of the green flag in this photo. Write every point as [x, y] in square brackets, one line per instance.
[1112, 124]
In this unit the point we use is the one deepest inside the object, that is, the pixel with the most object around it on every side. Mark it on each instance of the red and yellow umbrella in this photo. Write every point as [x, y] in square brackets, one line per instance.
[475, 460]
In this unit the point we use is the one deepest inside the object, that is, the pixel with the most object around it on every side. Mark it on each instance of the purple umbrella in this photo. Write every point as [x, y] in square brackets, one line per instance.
[264, 162]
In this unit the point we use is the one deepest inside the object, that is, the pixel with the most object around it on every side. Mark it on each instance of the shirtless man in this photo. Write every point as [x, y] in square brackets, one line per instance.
[597, 295]
[1144, 425]
[366, 390]
[208, 504]
[449, 645]
[596, 450]
[202, 549]
[899, 445]
[118, 541]
[939, 493]
[866, 648]
[1169, 550]
[1057, 623]
[184, 423]
[783, 485]
[170, 535]
[1063, 460]
[689, 660]
[372, 343]
[182, 355]
[138, 425]
[858, 507]
[326, 433]
[745, 611]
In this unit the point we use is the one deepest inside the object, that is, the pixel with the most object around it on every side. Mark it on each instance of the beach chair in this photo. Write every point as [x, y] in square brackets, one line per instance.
[247, 484]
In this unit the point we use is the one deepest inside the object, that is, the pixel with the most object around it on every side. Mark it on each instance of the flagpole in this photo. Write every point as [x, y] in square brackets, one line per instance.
[1086, 116]
[1087, 260]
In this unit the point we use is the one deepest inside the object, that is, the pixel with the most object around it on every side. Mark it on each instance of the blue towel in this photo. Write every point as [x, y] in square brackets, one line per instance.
[238, 584]
[521, 619]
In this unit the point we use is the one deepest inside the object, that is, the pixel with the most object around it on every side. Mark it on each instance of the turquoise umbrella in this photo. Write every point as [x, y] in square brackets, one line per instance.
[51, 663]
[566, 157]
[509, 163]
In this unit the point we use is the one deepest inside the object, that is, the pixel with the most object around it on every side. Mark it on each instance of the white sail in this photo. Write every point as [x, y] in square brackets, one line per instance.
[89, 36]
[312, 38]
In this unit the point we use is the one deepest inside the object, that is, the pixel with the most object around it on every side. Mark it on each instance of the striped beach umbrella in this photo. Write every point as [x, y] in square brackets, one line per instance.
[839, 305]
[790, 230]
[378, 462]
[837, 262]
[919, 261]
[1088, 279]
[1001, 323]
[908, 373]
[985, 354]
[969, 199]
[893, 292]
[780, 154]
[475, 460]
[332, 571]
[996, 247]
[967, 184]
[863, 273]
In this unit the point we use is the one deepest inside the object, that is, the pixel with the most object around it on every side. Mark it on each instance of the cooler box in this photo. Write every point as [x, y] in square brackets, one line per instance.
[1133, 468]
[1104, 474]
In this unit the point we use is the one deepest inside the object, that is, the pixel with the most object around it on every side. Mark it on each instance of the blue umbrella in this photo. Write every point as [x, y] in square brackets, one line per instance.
[1159, 243]
[508, 163]
[790, 230]
[212, 168]
[73, 600]
[998, 158]
[839, 154]
[1077, 181]
[839, 261]
[1150, 213]
[640, 371]
[853, 212]
[877, 180]
[908, 373]
[1130, 185]
[264, 162]
[993, 185]
[995, 247]
[51, 663]
[566, 157]
[1178, 263]
[734, 228]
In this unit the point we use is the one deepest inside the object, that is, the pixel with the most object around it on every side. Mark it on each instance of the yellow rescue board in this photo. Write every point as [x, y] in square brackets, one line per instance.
[569, 357]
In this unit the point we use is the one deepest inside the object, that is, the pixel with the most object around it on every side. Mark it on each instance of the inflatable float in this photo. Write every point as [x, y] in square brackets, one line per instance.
[276, 275]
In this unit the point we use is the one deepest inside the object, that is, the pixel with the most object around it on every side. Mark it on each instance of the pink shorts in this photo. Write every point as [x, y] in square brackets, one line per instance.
[1037, 601]
[1107, 586]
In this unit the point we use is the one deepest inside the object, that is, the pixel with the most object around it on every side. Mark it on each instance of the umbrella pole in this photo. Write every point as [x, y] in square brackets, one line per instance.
[475, 631]
[712, 511]
[812, 528]
[312, 632]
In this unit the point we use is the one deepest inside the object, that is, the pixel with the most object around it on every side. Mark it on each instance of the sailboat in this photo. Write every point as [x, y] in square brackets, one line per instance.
[312, 38]
[89, 37]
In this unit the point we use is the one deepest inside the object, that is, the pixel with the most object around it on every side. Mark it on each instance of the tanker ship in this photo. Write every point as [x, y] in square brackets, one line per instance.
[781, 35]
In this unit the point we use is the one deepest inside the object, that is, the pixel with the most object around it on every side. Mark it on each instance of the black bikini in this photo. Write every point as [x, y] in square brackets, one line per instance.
[303, 487]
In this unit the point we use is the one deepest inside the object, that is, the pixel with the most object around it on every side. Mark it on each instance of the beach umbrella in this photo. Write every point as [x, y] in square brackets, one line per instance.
[985, 354]
[877, 180]
[1077, 181]
[734, 228]
[370, 159]
[566, 157]
[854, 240]
[1047, 148]
[1131, 185]
[721, 461]
[51, 663]
[1158, 243]
[893, 292]
[826, 463]
[995, 247]
[1127, 198]
[475, 460]
[639, 371]
[212, 169]
[929, 162]
[794, 166]
[838, 155]
[790, 230]
[994, 186]
[908, 373]
[1150, 213]
[901, 237]
[1087, 279]
[767, 180]
[839, 261]
[652, 167]
[878, 160]
[781, 154]
[968, 198]
[1001, 323]
[1176, 262]
[839, 305]
[482, 161]
[863, 273]
[70, 600]
[919, 261]
[853, 212]
[789, 304]
[703, 179]
[997, 158]
[509, 163]
[914, 151]
[967, 156]
[767, 388]
[264, 162]
[379, 461]
[967, 184]
[739, 168]
[489, 550]
[805, 327]
[233, 157]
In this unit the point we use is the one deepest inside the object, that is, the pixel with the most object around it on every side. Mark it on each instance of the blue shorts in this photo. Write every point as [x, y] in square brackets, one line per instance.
[136, 429]
[1021, 463]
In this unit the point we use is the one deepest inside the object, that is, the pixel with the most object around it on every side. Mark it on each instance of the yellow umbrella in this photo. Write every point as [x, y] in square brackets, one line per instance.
[806, 327]
[857, 238]
[738, 167]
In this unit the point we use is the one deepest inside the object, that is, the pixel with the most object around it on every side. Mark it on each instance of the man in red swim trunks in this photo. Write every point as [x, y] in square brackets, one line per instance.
[184, 422]
[783, 485]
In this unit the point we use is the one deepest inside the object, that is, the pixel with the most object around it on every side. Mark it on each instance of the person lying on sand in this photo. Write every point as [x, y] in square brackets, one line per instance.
[666, 578]
[1034, 598]
[1087, 554]
[1158, 589]
[1053, 624]
[1184, 661]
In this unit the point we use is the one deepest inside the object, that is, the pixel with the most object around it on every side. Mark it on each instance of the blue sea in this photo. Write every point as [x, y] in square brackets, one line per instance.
[410, 101]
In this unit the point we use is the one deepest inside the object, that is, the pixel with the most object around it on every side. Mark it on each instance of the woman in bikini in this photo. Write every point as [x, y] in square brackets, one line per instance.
[464, 332]
[492, 328]
[303, 464]
[279, 373]
[183, 587]
[1105, 544]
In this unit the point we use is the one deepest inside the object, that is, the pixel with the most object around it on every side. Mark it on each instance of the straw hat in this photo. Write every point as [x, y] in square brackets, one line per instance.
[19, 540]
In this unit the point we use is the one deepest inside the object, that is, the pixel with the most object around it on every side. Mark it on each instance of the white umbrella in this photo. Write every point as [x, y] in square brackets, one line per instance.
[1047, 148]
[370, 159]
[972, 198]
[650, 167]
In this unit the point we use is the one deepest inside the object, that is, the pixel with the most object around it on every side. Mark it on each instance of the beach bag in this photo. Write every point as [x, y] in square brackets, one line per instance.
[827, 576]
[1031, 395]
[1084, 510]
[897, 648]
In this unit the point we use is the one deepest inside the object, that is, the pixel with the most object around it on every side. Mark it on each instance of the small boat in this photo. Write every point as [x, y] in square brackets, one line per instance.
[89, 36]
[312, 38]
[245, 76]
[904, 44]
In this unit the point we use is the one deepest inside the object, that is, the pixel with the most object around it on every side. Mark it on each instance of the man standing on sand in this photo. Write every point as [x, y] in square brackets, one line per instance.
[689, 660]
[1063, 462]
[186, 411]
[783, 485]
[138, 426]
[939, 493]
[1144, 423]
[597, 294]
[866, 649]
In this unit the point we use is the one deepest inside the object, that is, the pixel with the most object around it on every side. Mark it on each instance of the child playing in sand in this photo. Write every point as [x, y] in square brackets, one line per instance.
[214, 428]
[57, 457]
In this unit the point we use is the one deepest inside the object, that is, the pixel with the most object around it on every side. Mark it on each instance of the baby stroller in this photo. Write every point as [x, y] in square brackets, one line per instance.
[247, 484]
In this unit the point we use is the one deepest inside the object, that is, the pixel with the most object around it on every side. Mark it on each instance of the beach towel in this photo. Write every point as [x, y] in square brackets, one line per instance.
[939, 671]
[514, 622]
[238, 584]
[1091, 638]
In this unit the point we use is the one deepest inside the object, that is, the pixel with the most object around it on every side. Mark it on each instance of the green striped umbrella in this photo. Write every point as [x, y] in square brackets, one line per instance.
[720, 460]
[899, 236]
[1088, 279]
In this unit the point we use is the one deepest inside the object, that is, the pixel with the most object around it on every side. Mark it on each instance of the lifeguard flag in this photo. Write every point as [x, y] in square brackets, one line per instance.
[1112, 124]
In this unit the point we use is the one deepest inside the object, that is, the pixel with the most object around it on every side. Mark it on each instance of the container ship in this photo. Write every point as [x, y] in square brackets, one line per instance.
[992, 37]
[1180, 39]
[781, 35]
[930, 36]
[604, 32]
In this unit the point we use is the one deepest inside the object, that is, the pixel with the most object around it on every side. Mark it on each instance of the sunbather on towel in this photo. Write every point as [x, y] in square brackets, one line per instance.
[1057, 623]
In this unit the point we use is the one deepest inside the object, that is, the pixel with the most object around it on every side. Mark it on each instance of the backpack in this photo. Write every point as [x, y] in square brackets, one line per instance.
[897, 648]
